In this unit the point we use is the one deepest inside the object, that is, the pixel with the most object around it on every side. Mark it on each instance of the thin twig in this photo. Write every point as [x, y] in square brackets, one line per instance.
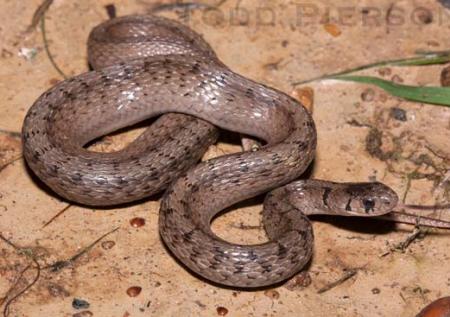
[47, 50]
[13, 134]
[111, 10]
[57, 215]
[2, 167]
[2, 237]
[347, 275]
[38, 14]
[15, 297]
[402, 246]
[59, 265]
[178, 6]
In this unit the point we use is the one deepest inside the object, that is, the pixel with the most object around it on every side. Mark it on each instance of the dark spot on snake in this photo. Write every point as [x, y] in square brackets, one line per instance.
[168, 211]
[276, 158]
[105, 78]
[76, 177]
[302, 146]
[243, 168]
[213, 266]
[195, 188]
[348, 207]
[251, 256]
[188, 235]
[195, 69]
[325, 195]
[282, 250]
[267, 268]
[120, 180]
[53, 169]
[220, 255]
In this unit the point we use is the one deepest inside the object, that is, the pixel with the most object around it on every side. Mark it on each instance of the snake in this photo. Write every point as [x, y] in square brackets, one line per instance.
[145, 67]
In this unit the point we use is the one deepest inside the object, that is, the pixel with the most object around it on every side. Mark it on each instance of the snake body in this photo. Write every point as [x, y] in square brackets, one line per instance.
[146, 66]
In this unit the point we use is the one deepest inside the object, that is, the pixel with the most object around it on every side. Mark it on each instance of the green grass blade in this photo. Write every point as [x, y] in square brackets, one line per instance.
[430, 95]
[425, 58]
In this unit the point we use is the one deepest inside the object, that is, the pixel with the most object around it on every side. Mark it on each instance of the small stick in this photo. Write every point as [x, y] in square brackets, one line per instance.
[38, 14]
[57, 215]
[2, 167]
[2, 237]
[111, 10]
[348, 275]
[59, 265]
[403, 245]
[15, 297]
[178, 5]
[12, 134]
[47, 50]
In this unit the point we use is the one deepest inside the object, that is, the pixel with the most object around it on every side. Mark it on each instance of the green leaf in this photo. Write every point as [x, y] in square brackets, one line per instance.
[431, 95]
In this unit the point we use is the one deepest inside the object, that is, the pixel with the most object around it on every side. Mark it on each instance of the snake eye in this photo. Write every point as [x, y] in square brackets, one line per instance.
[369, 204]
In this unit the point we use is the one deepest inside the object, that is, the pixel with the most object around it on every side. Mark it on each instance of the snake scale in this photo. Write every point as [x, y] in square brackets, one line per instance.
[147, 66]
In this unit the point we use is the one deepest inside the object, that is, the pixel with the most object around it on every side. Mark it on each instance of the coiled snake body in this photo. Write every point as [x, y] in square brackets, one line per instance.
[148, 66]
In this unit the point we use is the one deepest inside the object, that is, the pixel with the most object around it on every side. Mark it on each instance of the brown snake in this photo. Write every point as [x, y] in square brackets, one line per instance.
[147, 66]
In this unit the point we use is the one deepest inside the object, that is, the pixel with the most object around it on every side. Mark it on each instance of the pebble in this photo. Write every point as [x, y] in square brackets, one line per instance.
[368, 95]
[80, 303]
[137, 222]
[134, 291]
[222, 311]
[398, 114]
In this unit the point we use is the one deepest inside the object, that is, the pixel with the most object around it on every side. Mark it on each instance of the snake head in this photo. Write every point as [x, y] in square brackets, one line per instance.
[370, 199]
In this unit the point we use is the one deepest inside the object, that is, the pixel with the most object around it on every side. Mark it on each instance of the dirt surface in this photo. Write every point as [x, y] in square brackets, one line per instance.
[63, 260]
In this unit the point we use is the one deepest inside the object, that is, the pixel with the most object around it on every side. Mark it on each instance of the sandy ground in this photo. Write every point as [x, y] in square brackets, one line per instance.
[364, 134]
